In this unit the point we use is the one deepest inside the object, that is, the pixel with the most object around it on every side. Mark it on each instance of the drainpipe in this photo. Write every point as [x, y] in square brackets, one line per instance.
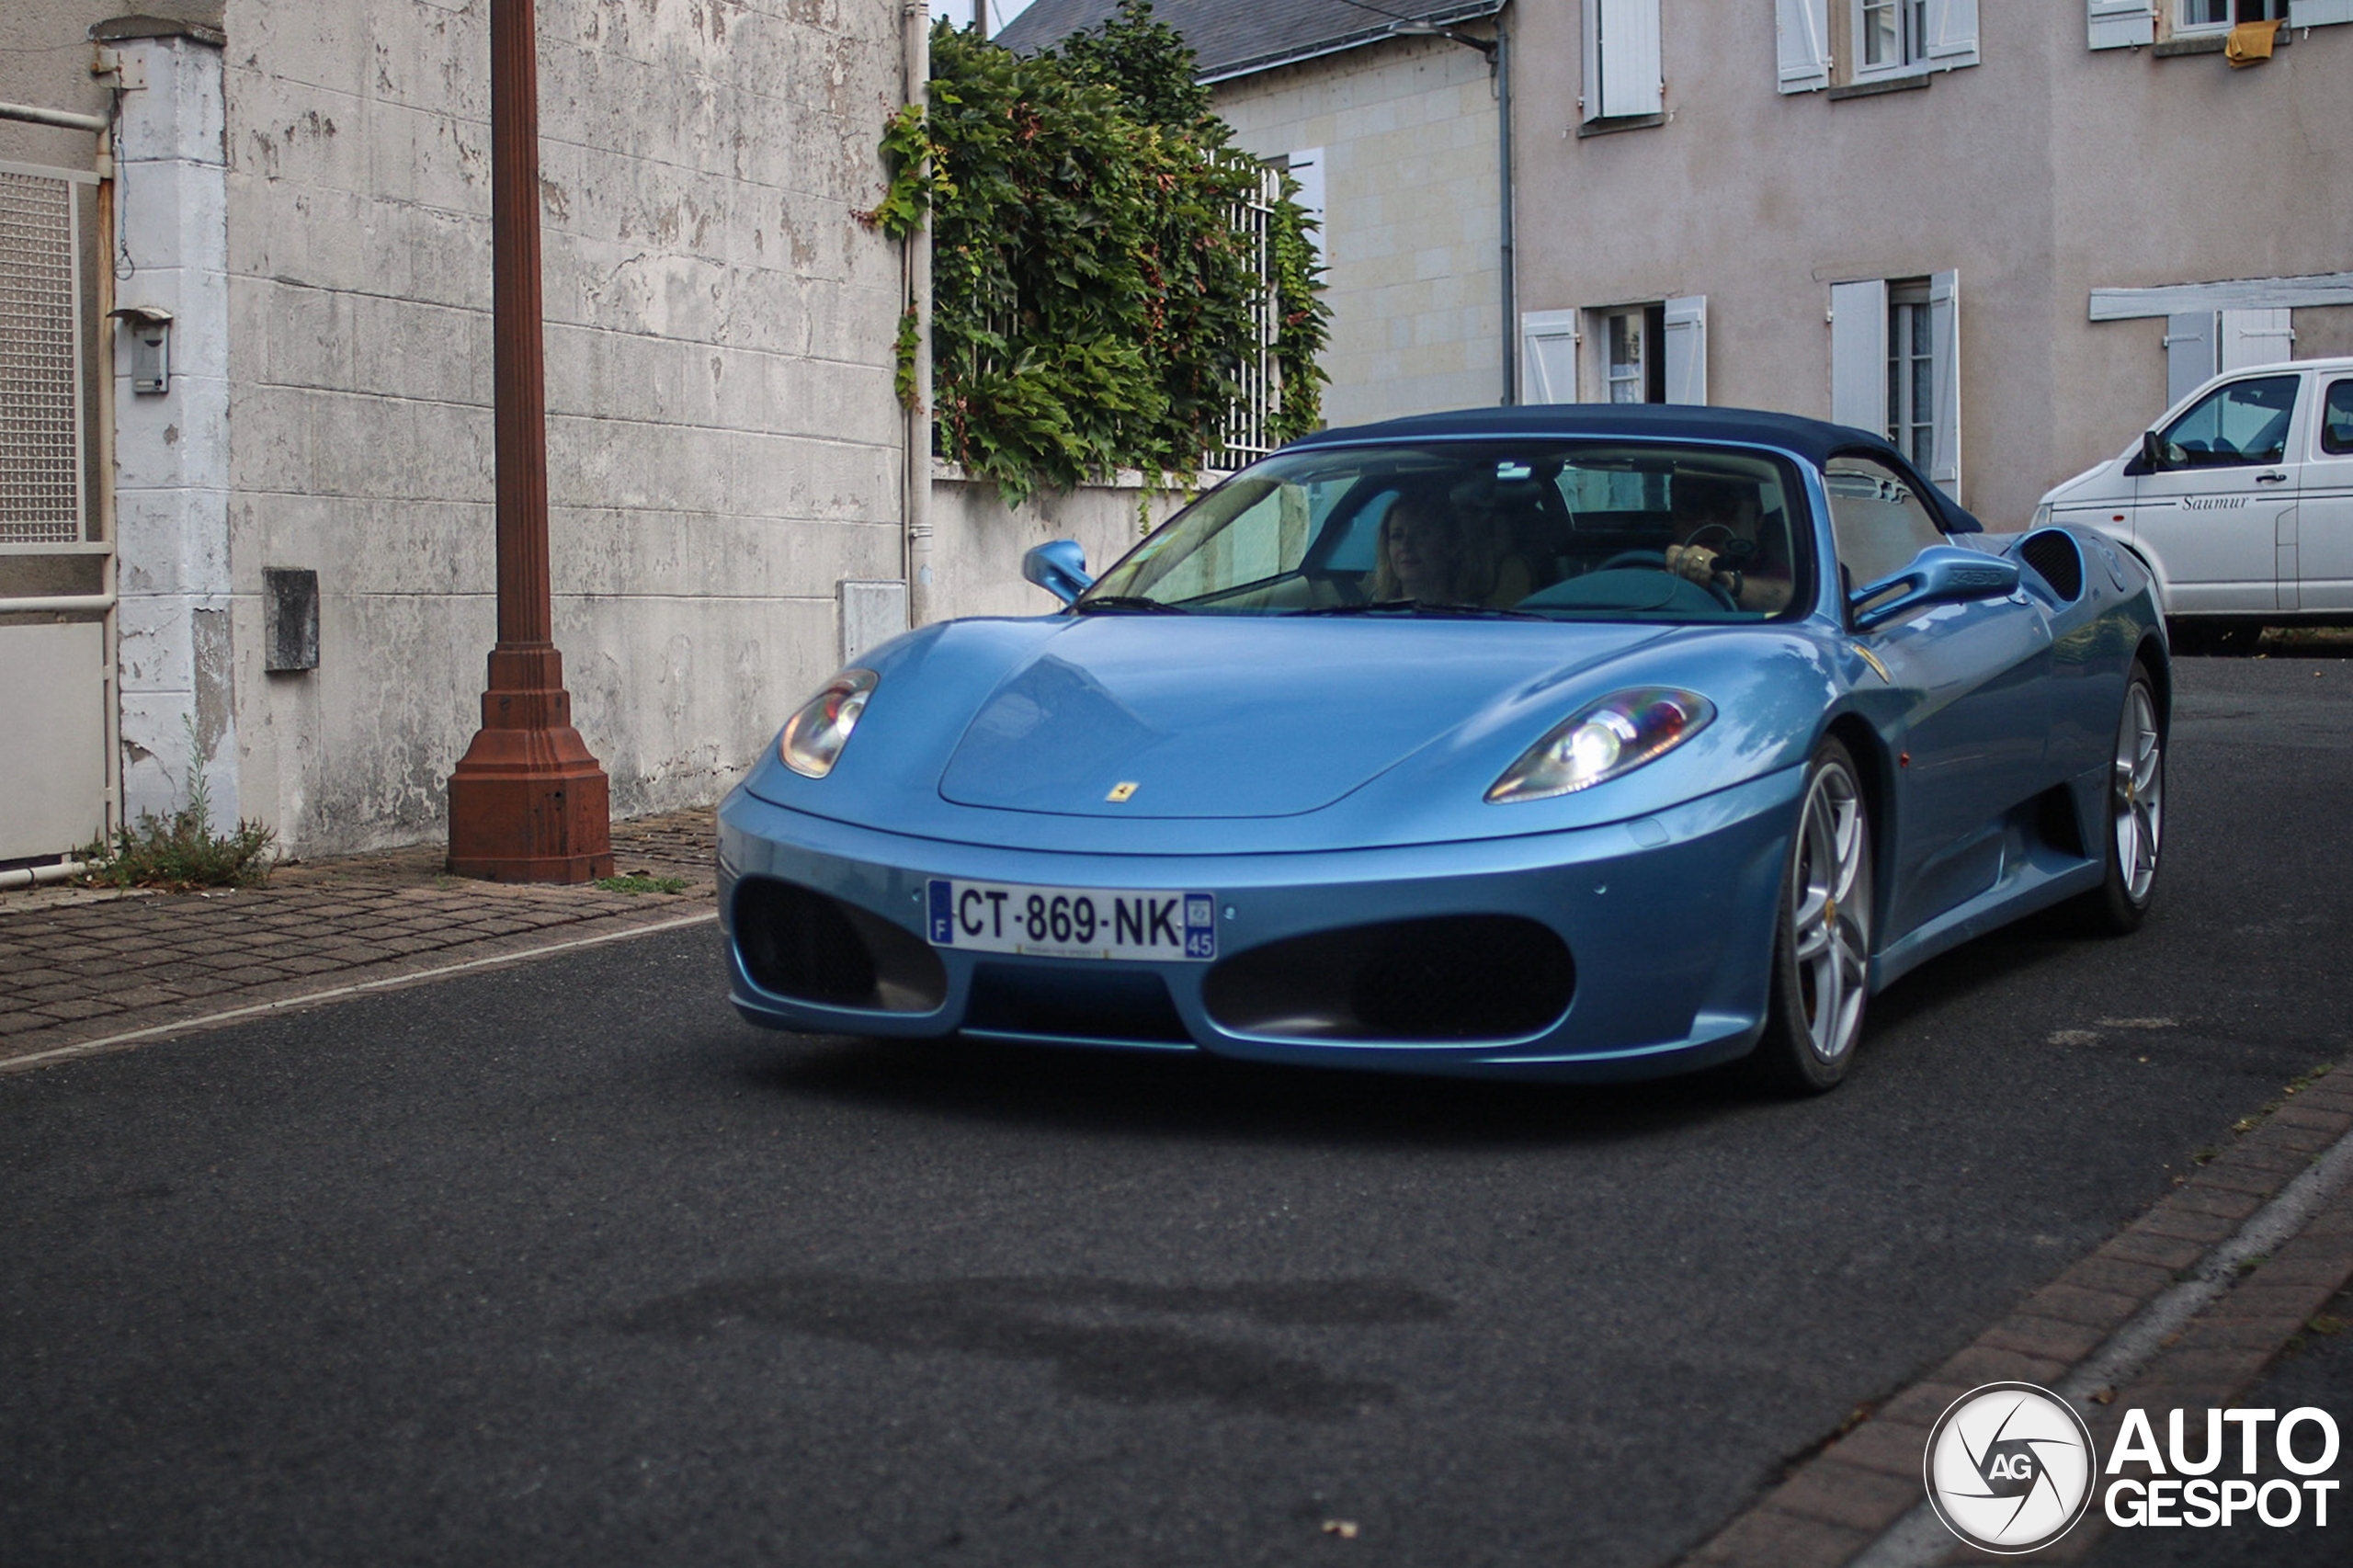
[1508, 288]
[915, 29]
[110, 565]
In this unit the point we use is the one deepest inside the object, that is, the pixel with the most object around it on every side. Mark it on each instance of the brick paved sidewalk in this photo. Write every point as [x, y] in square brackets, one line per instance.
[1855, 1501]
[79, 968]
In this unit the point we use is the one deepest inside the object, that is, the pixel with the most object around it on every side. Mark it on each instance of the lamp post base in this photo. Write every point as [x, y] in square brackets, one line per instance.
[527, 802]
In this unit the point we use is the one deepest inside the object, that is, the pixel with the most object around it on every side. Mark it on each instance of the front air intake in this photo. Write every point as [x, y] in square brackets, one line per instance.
[799, 943]
[1454, 978]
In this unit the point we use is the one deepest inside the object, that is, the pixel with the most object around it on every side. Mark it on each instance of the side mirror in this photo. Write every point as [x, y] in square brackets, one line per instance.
[1942, 574]
[1059, 568]
[2152, 452]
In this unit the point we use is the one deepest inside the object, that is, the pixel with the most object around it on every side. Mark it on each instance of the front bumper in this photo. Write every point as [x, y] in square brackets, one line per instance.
[1669, 920]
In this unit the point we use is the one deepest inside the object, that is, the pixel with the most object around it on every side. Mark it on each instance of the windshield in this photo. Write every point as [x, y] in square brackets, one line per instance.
[1556, 531]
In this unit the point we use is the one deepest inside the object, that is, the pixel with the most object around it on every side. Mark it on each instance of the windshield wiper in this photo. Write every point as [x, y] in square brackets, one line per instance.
[1125, 604]
[1425, 607]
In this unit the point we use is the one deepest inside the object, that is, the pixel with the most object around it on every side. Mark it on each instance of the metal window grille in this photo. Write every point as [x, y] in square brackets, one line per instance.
[1259, 396]
[40, 361]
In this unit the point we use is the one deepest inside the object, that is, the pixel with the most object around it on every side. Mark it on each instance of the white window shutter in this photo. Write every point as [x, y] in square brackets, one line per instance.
[1804, 28]
[2120, 24]
[2255, 337]
[2318, 13]
[1952, 33]
[1944, 351]
[2189, 353]
[1621, 60]
[1548, 356]
[1859, 355]
[1687, 349]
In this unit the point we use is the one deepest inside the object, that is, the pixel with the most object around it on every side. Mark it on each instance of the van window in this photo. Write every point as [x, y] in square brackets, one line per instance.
[2336, 419]
[2246, 422]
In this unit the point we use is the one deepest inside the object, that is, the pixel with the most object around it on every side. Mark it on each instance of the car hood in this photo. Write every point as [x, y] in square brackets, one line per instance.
[1245, 734]
[1134, 716]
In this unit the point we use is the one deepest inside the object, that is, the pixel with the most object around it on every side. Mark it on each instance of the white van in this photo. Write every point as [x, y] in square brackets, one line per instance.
[2240, 500]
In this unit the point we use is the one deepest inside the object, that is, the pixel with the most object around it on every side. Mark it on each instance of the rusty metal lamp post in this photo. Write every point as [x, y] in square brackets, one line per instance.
[527, 802]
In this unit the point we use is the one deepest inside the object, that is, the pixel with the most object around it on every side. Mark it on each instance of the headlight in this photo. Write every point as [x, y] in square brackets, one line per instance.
[2041, 517]
[1603, 739]
[813, 738]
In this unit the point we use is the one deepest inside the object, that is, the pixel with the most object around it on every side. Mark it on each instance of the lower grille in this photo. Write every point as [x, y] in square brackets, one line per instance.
[802, 944]
[1448, 979]
[1074, 1004]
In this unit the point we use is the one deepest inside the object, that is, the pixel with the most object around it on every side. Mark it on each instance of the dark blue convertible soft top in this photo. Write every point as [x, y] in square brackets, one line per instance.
[1816, 440]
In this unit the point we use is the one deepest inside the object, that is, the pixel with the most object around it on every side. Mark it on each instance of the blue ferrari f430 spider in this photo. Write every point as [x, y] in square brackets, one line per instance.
[1561, 743]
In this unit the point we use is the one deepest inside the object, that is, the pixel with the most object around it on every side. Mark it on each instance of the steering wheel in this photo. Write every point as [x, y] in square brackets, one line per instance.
[1656, 560]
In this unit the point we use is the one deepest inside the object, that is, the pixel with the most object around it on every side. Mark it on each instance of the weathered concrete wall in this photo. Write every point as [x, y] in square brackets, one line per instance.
[724, 443]
[1412, 222]
[175, 624]
[2043, 172]
[978, 541]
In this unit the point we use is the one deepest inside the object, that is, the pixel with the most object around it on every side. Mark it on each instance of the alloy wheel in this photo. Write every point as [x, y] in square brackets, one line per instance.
[2138, 798]
[1831, 914]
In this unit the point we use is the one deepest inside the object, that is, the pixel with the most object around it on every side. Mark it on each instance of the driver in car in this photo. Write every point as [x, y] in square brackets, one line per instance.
[1719, 544]
[1428, 555]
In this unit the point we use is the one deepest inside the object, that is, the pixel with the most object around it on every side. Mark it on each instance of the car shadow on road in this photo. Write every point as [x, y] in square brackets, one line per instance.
[1190, 1095]
[2001, 957]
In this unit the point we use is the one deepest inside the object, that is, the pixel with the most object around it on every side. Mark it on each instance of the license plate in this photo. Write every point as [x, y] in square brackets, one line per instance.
[1071, 923]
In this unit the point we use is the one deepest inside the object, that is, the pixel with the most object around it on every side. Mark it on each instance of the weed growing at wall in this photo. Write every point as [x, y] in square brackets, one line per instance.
[181, 851]
[1092, 295]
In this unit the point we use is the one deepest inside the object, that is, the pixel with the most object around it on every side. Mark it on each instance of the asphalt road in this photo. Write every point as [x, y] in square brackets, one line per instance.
[565, 1265]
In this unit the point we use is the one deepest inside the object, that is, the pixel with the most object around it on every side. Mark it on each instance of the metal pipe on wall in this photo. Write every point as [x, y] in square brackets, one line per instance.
[914, 20]
[32, 114]
[109, 585]
[1507, 285]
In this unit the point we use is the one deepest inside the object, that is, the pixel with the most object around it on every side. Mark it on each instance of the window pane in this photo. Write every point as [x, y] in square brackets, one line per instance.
[1879, 522]
[1626, 357]
[2246, 422]
[1879, 44]
[2336, 419]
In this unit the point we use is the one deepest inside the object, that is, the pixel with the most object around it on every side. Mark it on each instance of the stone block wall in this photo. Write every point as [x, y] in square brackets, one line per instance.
[1412, 219]
[724, 443]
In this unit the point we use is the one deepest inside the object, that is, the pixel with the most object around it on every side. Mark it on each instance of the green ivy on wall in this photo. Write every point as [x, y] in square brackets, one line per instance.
[1093, 297]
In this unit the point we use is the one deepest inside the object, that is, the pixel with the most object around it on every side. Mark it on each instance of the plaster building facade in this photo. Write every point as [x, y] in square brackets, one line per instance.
[304, 190]
[2009, 233]
[1393, 140]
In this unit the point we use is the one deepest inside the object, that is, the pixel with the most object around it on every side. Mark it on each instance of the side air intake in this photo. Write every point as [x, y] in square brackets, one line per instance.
[2057, 560]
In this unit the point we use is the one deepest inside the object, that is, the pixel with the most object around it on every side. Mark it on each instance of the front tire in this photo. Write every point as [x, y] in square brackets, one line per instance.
[1821, 946]
[2136, 814]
